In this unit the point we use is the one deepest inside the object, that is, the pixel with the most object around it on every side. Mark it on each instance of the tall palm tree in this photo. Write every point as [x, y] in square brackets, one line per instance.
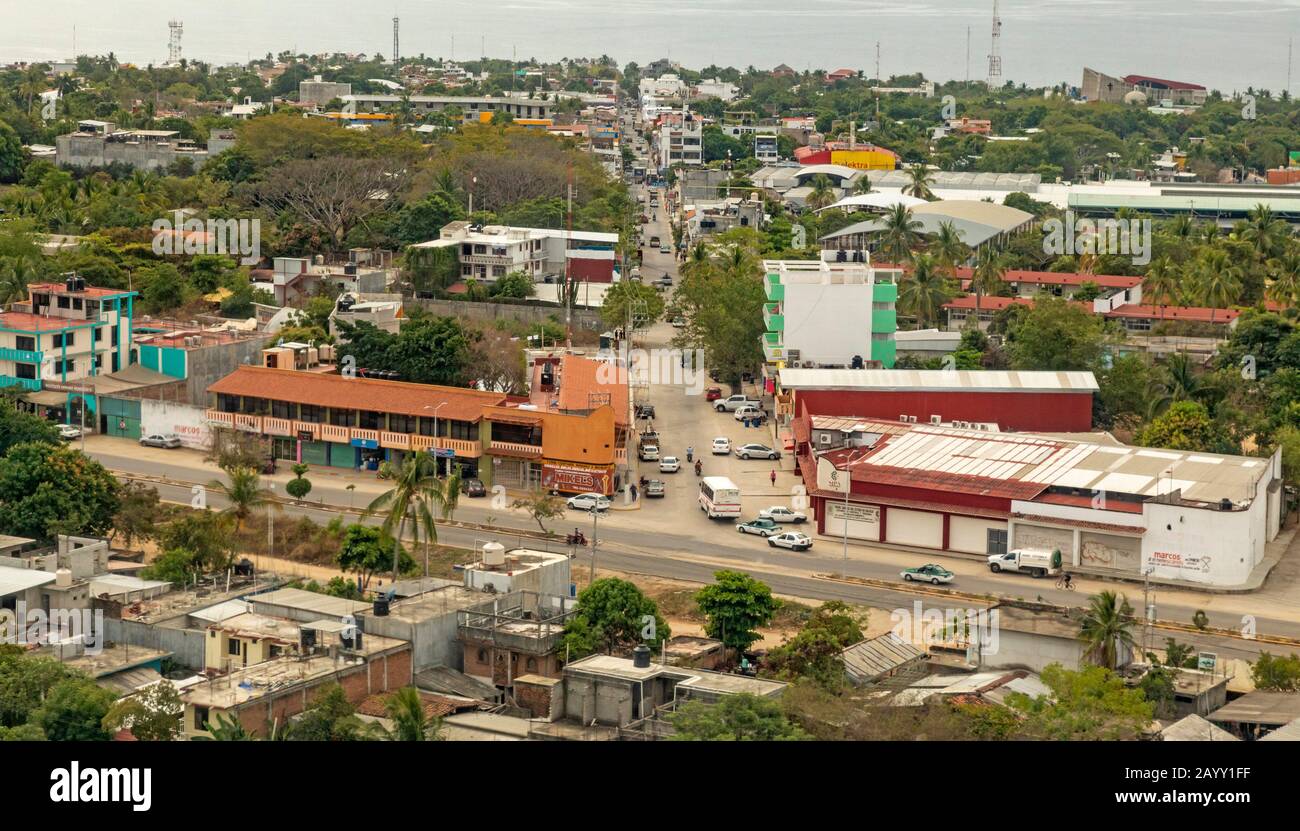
[822, 194]
[1160, 285]
[986, 279]
[1265, 231]
[407, 505]
[1106, 626]
[947, 246]
[243, 493]
[1218, 280]
[410, 723]
[900, 234]
[15, 275]
[923, 290]
[919, 180]
[863, 186]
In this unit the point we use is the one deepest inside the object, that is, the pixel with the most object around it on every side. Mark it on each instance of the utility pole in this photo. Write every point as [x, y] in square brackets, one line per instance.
[595, 518]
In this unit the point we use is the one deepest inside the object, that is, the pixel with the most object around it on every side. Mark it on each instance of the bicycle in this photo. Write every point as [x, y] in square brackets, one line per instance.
[1065, 582]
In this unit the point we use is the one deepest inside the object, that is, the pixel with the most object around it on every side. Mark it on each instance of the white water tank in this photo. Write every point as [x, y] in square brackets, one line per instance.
[63, 578]
[494, 554]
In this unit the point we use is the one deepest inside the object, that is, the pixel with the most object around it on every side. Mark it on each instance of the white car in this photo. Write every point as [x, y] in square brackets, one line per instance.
[792, 540]
[721, 446]
[780, 513]
[588, 501]
[669, 464]
[747, 412]
[67, 432]
[756, 451]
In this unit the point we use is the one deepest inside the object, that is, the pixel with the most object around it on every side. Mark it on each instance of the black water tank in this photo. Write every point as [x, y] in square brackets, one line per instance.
[641, 657]
[1225, 504]
[381, 607]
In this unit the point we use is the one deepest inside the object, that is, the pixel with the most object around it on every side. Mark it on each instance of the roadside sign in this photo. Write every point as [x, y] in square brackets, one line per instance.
[1206, 661]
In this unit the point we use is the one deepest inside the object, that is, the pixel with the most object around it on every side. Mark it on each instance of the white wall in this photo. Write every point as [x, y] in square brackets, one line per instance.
[187, 422]
[1204, 546]
[828, 323]
[864, 521]
[970, 534]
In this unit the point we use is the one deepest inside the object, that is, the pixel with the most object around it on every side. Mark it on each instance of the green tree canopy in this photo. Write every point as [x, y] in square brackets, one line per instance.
[735, 605]
[613, 614]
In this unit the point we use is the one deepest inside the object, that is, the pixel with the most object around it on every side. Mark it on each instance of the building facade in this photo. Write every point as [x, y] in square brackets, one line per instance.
[65, 332]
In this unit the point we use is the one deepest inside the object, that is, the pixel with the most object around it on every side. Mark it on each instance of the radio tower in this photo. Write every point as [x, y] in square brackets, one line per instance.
[395, 41]
[995, 59]
[175, 27]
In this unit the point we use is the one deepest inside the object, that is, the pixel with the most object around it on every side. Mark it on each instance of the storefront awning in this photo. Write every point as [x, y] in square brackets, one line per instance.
[47, 398]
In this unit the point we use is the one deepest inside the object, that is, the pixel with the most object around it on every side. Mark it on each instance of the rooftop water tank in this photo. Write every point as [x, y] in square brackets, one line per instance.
[494, 554]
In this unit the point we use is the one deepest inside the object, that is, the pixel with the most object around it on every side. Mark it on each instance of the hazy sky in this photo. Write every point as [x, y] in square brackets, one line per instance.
[1224, 44]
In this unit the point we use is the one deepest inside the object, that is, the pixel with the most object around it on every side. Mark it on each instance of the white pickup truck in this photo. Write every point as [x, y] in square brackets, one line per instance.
[735, 402]
[1036, 562]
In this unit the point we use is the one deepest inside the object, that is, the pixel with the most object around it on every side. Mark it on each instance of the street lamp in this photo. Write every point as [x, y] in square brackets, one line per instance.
[436, 443]
[848, 488]
[595, 517]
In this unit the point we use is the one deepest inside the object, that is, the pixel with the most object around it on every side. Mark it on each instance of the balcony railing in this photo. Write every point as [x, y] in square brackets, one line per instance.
[516, 448]
[31, 384]
[278, 426]
[270, 426]
[773, 317]
[396, 441]
[772, 285]
[773, 348]
[26, 356]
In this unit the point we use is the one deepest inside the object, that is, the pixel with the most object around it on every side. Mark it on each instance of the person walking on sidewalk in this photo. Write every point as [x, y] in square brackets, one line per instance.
[773, 478]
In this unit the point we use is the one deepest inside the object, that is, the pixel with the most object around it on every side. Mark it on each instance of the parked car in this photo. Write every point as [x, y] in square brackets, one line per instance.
[712, 393]
[669, 464]
[748, 411]
[472, 487]
[792, 540]
[780, 513]
[762, 527]
[928, 573]
[679, 323]
[165, 440]
[665, 249]
[67, 432]
[721, 446]
[654, 489]
[757, 451]
[588, 501]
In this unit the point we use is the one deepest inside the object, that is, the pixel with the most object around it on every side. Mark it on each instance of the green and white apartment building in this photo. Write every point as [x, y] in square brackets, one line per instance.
[63, 333]
[831, 312]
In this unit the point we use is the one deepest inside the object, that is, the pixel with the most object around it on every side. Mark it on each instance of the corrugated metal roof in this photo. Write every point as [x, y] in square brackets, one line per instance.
[962, 380]
[14, 580]
[866, 661]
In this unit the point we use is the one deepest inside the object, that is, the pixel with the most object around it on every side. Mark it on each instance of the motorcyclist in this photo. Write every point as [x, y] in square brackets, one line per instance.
[690, 453]
[699, 467]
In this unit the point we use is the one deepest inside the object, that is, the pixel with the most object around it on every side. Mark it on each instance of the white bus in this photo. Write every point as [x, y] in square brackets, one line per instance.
[719, 497]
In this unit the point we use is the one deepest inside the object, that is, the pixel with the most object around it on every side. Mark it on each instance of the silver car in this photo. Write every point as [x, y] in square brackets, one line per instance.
[165, 440]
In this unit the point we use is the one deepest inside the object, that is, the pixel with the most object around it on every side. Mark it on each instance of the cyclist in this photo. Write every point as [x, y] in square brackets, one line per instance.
[1066, 581]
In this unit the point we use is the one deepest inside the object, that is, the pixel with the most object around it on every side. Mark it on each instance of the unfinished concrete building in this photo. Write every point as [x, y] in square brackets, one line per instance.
[514, 634]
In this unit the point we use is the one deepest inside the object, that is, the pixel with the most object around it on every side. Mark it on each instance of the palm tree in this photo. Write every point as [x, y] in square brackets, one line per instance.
[1160, 285]
[410, 723]
[923, 290]
[416, 488]
[1265, 231]
[948, 247]
[243, 494]
[227, 729]
[1284, 289]
[919, 180]
[863, 186]
[1107, 624]
[900, 234]
[822, 194]
[1218, 280]
[15, 275]
[986, 279]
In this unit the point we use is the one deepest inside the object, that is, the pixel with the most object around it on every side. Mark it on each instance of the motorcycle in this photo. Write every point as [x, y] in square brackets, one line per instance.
[576, 538]
[699, 468]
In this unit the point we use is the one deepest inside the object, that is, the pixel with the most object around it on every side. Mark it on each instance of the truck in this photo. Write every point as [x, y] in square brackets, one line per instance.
[1036, 562]
[648, 447]
[735, 402]
[719, 498]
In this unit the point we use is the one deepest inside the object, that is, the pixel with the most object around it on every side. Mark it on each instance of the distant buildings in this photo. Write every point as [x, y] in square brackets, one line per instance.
[100, 143]
[680, 139]
[1098, 86]
[319, 92]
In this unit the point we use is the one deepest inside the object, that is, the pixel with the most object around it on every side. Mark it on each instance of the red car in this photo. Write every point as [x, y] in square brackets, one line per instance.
[713, 393]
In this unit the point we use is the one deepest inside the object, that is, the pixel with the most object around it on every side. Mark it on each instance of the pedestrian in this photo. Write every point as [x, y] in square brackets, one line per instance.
[633, 492]
[773, 477]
